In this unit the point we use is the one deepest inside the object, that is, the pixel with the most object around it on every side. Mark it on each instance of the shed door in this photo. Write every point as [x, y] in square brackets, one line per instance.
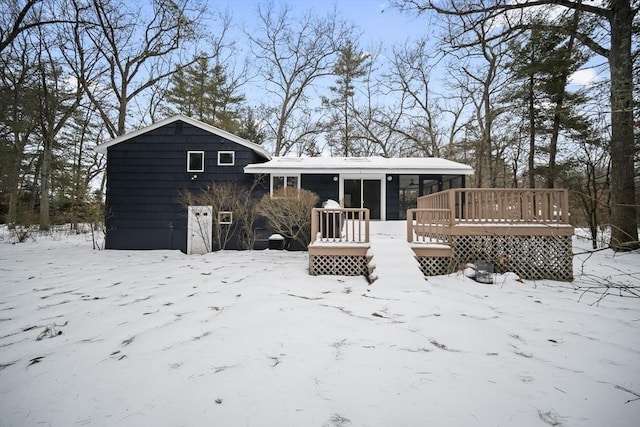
[199, 232]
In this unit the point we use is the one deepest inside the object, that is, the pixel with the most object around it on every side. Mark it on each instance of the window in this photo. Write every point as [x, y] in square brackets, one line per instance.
[225, 217]
[450, 182]
[195, 161]
[284, 182]
[409, 188]
[226, 158]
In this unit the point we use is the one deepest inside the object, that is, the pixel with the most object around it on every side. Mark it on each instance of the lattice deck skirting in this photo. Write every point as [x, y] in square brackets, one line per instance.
[338, 265]
[531, 257]
[436, 266]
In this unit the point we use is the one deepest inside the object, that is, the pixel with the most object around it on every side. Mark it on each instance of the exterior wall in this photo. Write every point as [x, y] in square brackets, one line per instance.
[393, 208]
[393, 197]
[326, 188]
[323, 185]
[147, 174]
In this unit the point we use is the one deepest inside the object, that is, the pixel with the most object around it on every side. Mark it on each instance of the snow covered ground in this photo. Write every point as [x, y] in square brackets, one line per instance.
[159, 338]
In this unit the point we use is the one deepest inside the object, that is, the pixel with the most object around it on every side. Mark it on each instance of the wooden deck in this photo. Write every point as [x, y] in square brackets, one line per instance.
[490, 212]
[340, 242]
[522, 230]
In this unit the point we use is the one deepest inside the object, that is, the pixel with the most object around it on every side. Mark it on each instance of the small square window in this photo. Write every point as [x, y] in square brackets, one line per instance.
[226, 158]
[225, 217]
[195, 161]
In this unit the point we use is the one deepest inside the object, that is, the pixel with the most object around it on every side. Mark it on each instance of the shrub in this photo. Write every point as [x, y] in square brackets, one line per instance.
[228, 197]
[289, 213]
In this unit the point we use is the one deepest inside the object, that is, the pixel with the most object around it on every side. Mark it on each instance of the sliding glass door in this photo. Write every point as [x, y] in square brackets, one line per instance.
[363, 193]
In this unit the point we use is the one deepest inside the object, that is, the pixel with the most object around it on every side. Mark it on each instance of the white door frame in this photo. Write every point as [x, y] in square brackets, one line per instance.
[199, 228]
[383, 189]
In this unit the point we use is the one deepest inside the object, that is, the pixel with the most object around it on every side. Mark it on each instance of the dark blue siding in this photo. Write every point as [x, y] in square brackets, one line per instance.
[323, 185]
[146, 176]
[393, 197]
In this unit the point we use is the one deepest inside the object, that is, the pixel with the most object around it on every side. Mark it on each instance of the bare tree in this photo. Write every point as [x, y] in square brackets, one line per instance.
[410, 76]
[372, 125]
[424, 109]
[19, 16]
[378, 128]
[293, 53]
[616, 19]
[590, 190]
[85, 165]
[58, 101]
[234, 211]
[477, 74]
[129, 51]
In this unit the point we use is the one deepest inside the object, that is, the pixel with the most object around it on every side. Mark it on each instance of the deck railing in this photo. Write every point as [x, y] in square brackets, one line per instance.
[488, 206]
[340, 225]
[504, 205]
[427, 225]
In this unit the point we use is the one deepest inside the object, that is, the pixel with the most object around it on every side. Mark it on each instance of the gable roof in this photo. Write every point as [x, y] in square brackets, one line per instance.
[361, 165]
[102, 148]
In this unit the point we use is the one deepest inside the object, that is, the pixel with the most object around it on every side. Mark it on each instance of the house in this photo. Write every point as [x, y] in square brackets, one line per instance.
[149, 169]
[386, 186]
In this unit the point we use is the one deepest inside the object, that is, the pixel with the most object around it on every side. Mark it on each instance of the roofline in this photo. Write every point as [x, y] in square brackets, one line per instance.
[257, 169]
[102, 148]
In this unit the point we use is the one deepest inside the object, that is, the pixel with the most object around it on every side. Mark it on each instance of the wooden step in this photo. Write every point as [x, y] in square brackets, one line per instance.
[435, 250]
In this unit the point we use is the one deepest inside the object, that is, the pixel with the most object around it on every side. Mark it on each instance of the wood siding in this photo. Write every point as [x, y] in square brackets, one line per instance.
[323, 185]
[393, 197]
[147, 174]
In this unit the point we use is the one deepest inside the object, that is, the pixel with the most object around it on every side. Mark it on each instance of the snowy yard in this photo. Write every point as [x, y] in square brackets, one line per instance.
[159, 338]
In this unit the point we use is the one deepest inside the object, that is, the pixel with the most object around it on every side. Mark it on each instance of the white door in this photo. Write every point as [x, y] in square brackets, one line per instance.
[199, 229]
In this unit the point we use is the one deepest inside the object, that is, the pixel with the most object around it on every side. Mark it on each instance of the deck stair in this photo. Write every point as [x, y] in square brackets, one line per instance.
[394, 260]
[435, 259]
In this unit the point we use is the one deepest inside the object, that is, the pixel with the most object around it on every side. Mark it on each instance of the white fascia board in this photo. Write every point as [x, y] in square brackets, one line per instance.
[359, 165]
[102, 148]
[260, 169]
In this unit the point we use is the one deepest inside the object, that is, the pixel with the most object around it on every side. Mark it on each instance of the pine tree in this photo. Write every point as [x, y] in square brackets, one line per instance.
[350, 66]
[203, 92]
[247, 127]
[180, 95]
[540, 66]
[19, 92]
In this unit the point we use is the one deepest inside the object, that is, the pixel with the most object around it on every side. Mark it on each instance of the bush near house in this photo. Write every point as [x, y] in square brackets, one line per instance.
[288, 213]
[233, 197]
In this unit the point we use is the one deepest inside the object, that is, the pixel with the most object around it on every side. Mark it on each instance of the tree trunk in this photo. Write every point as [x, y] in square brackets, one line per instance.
[45, 179]
[557, 115]
[532, 133]
[624, 224]
[488, 144]
[347, 149]
[13, 178]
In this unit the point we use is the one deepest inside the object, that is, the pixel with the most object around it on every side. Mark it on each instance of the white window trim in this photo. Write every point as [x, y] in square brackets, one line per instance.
[285, 176]
[222, 214]
[233, 158]
[189, 163]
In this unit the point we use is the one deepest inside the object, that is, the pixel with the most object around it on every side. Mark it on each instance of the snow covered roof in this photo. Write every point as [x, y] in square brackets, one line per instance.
[360, 165]
[102, 148]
